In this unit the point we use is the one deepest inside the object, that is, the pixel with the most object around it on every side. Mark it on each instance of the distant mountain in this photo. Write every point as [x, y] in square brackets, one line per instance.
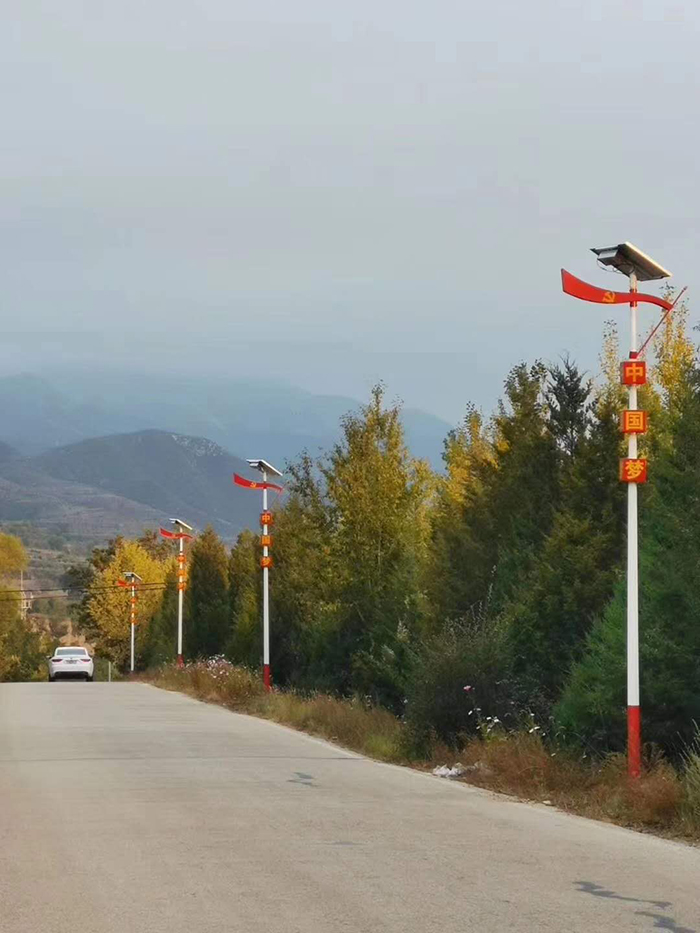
[7, 452]
[174, 474]
[258, 419]
[122, 483]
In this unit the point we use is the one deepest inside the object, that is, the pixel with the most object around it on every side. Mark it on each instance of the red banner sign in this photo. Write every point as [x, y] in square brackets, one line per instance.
[251, 484]
[633, 471]
[634, 422]
[584, 291]
[633, 372]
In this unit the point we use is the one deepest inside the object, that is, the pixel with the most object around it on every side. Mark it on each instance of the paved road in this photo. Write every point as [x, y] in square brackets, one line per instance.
[124, 809]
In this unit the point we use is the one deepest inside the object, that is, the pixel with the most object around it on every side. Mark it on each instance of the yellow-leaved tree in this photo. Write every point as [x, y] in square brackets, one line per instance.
[22, 651]
[106, 620]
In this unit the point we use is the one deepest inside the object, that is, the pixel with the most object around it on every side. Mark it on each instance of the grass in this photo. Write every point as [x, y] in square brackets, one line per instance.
[665, 800]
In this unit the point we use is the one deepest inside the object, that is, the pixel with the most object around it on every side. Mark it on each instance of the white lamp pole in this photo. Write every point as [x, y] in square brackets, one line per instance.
[180, 597]
[133, 623]
[181, 531]
[637, 266]
[634, 726]
[132, 581]
[267, 470]
[266, 594]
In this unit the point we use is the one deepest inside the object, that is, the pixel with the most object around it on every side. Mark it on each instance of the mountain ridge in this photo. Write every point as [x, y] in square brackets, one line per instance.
[150, 475]
[261, 419]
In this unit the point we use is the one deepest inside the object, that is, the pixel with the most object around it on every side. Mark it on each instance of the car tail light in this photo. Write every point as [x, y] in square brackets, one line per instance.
[56, 660]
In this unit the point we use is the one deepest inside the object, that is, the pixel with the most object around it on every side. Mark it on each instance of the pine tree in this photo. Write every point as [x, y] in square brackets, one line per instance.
[208, 610]
[574, 573]
[245, 601]
[593, 705]
[378, 496]
[522, 492]
[462, 553]
[161, 636]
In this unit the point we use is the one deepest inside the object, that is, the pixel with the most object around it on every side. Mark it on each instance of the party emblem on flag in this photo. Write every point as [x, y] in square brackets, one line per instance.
[265, 562]
[633, 471]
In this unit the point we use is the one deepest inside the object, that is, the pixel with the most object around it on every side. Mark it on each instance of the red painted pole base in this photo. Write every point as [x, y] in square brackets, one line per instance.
[266, 676]
[180, 662]
[634, 741]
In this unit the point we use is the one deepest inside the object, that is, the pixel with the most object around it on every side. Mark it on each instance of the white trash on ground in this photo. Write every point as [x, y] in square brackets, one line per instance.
[444, 771]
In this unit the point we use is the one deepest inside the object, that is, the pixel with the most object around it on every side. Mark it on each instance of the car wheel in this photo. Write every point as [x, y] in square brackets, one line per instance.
[51, 679]
[89, 679]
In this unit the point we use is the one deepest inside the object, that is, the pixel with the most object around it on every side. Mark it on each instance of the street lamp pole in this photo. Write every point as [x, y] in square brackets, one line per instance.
[634, 723]
[180, 533]
[132, 581]
[266, 588]
[637, 266]
[133, 623]
[267, 470]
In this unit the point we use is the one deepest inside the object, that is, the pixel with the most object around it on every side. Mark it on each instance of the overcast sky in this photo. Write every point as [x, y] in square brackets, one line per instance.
[385, 188]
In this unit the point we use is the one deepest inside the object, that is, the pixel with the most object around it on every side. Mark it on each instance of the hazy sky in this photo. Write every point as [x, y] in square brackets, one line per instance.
[383, 188]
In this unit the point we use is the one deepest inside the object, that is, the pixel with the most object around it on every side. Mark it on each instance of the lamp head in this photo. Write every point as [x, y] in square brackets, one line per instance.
[180, 524]
[264, 467]
[629, 260]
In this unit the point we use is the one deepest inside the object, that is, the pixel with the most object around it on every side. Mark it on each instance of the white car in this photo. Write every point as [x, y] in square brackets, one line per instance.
[71, 662]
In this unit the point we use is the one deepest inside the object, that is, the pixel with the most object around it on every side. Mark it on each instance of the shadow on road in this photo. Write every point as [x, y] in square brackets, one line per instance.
[661, 921]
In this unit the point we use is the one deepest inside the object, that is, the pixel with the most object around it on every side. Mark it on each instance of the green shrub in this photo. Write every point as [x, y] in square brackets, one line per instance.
[439, 707]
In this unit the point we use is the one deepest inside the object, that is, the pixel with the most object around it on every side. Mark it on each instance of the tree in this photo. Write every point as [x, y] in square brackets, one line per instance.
[525, 490]
[161, 635]
[208, 611]
[104, 617]
[593, 704]
[568, 405]
[13, 555]
[378, 499]
[307, 583]
[245, 642]
[154, 544]
[462, 553]
[575, 570]
[22, 651]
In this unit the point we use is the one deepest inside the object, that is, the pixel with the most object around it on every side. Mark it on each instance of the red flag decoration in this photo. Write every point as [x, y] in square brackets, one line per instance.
[171, 534]
[251, 484]
[578, 289]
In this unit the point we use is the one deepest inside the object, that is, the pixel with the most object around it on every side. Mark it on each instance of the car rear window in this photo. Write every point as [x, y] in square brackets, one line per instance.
[61, 652]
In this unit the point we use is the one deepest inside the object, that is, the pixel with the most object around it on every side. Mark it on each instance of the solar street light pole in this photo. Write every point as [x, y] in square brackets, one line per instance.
[180, 533]
[266, 560]
[634, 725]
[637, 266]
[132, 581]
[266, 592]
[133, 623]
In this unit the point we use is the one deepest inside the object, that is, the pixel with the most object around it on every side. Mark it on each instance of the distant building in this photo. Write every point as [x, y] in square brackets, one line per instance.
[26, 598]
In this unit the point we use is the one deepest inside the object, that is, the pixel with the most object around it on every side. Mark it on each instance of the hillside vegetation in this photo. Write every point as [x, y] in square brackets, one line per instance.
[124, 482]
